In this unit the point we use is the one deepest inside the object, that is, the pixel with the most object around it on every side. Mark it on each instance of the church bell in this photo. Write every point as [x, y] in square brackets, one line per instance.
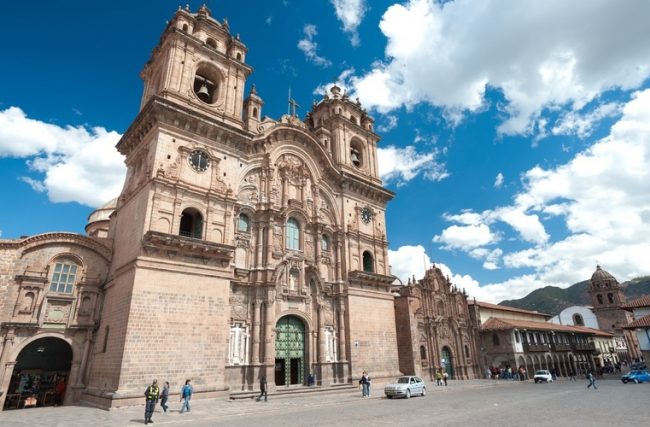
[203, 93]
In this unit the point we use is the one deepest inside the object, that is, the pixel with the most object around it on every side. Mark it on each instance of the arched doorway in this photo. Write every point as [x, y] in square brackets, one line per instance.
[40, 375]
[289, 351]
[446, 361]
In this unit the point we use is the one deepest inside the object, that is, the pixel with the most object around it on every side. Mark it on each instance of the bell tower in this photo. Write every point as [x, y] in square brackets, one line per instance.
[346, 129]
[607, 298]
[199, 64]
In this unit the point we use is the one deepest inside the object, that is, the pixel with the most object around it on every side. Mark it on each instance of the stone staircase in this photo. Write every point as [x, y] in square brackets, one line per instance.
[295, 390]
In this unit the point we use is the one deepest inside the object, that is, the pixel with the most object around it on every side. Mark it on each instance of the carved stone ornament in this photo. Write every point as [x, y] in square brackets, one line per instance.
[292, 168]
[57, 312]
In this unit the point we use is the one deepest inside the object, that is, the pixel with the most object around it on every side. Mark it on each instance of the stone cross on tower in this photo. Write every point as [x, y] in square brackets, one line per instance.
[293, 105]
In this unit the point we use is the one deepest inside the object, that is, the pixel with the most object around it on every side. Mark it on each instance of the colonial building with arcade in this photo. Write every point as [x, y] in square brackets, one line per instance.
[240, 247]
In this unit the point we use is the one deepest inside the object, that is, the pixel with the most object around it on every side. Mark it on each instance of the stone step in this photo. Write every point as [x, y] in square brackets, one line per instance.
[282, 391]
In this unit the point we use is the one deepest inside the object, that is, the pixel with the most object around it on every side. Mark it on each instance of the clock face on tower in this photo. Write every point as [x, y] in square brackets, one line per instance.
[199, 160]
[366, 215]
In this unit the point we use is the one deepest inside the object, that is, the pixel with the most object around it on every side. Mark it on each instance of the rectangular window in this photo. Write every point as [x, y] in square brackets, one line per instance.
[63, 278]
[238, 349]
[330, 344]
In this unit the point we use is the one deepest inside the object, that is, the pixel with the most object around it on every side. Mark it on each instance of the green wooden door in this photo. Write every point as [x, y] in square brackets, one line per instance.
[447, 362]
[290, 350]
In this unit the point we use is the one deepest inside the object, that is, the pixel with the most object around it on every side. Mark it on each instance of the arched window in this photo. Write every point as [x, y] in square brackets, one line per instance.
[599, 297]
[206, 83]
[610, 298]
[495, 340]
[64, 276]
[423, 353]
[293, 235]
[578, 320]
[517, 336]
[255, 113]
[238, 56]
[185, 27]
[244, 223]
[368, 262]
[467, 351]
[210, 42]
[324, 242]
[191, 224]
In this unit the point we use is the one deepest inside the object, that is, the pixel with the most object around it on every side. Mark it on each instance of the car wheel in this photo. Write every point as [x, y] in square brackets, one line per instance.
[424, 391]
[408, 394]
[636, 381]
[624, 381]
[536, 381]
[388, 396]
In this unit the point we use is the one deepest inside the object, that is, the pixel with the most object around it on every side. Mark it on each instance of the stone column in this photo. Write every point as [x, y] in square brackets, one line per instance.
[6, 366]
[269, 350]
[321, 334]
[255, 356]
[342, 350]
[260, 242]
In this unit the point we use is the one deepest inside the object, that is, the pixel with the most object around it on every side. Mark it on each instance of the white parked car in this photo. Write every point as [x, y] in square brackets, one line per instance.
[543, 376]
[406, 386]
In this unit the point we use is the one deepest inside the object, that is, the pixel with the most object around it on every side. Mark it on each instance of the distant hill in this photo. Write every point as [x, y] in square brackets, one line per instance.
[552, 300]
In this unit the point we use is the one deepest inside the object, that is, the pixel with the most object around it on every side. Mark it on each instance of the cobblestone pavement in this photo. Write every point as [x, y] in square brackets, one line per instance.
[479, 402]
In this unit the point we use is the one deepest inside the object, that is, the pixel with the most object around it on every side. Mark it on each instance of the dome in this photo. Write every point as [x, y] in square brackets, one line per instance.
[601, 275]
[98, 220]
[602, 279]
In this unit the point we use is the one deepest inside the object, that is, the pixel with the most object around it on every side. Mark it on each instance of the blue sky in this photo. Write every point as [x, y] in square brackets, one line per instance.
[515, 134]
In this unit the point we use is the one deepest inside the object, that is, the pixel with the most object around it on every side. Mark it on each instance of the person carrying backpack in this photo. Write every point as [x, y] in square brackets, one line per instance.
[186, 396]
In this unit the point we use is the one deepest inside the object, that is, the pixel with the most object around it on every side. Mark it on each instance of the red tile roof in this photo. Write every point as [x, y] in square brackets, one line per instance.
[643, 322]
[643, 301]
[496, 324]
[506, 308]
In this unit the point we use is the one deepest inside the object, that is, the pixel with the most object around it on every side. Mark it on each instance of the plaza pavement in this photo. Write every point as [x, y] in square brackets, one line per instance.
[485, 401]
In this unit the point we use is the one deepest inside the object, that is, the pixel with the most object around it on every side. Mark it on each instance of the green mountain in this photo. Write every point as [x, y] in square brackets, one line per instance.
[552, 300]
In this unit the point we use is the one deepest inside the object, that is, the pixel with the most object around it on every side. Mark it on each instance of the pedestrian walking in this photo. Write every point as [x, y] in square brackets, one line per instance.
[572, 375]
[445, 377]
[592, 380]
[186, 396]
[263, 390]
[438, 377]
[151, 395]
[164, 395]
[365, 384]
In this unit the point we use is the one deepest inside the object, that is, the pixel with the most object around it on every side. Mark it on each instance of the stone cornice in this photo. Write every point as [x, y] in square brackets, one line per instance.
[154, 240]
[366, 279]
[30, 243]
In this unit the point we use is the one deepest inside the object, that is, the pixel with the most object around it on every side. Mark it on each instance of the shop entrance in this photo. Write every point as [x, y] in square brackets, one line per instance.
[40, 375]
[289, 351]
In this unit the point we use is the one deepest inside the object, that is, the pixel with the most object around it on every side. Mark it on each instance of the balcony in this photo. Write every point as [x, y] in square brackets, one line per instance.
[528, 347]
[583, 346]
[560, 346]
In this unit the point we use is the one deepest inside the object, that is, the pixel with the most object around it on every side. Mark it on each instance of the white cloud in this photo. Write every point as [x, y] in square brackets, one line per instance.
[404, 164]
[466, 237]
[498, 182]
[79, 164]
[309, 47]
[390, 124]
[269, 20]
[602, 197]
[581, 125]
[540, 55]
[350, 13]
[492, 259]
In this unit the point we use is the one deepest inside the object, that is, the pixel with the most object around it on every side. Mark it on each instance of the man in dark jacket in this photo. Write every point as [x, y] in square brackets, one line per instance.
[164, 395]
[151, 394]
[263, 390]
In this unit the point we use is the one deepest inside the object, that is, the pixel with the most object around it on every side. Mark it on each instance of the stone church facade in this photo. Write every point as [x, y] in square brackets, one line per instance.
[239, 247]
[434, 329]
